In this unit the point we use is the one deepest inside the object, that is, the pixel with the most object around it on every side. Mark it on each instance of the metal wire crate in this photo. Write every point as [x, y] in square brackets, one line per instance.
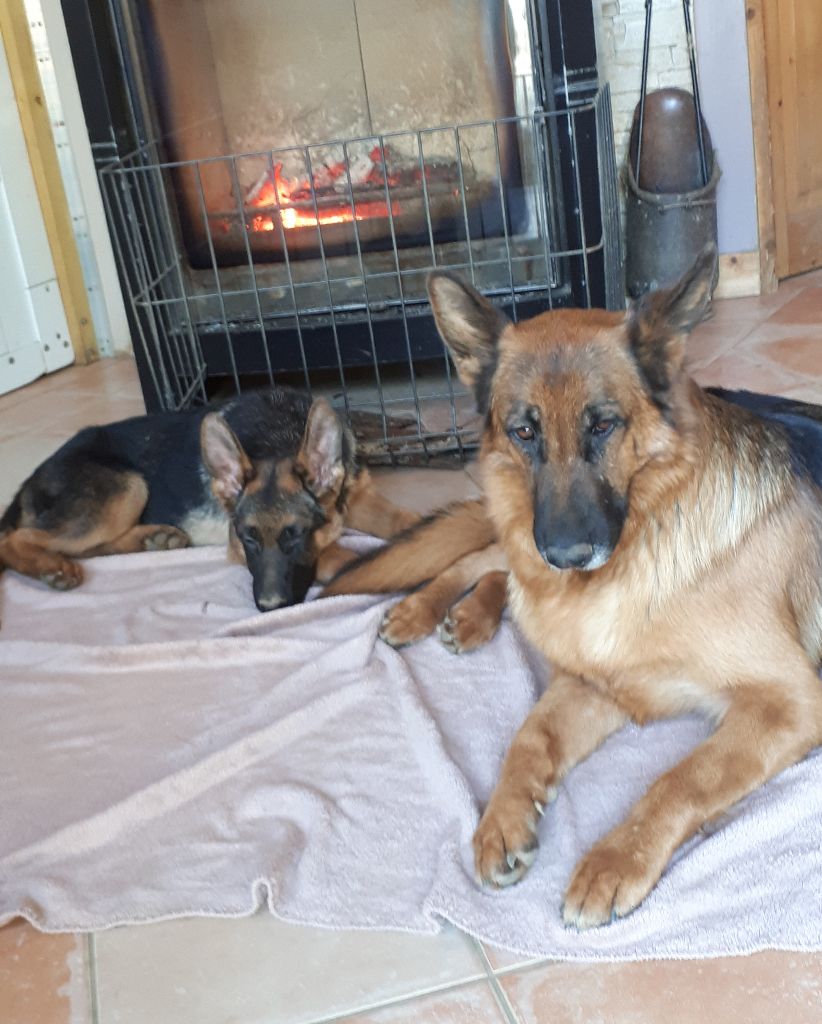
[227, 295]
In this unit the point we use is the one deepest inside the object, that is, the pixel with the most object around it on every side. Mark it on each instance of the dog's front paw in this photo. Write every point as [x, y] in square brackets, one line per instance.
[505, 843]
[466, 629]
[65, 576]
[166, 538]
[610, 881]
[410, 620]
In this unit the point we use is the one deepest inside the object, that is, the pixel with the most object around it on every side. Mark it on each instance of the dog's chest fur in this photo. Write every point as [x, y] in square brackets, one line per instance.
[586, 637]
[206, 525]
[599, 636]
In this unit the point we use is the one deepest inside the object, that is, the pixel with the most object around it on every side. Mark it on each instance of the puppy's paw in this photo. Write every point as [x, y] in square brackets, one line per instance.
[165, 538]
[466, 628]
[410, 620]
[505, 843]
[65, 576]
[610, 881]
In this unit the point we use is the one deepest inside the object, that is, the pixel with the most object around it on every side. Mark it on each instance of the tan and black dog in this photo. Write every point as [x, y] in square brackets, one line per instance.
[665, 554]
[269, 471]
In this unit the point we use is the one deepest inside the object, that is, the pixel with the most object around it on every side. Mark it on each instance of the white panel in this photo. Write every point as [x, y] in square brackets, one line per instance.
[17, 323]
[25, 206]
[34, 336]
[53, 329]
[21, 356]
[24, 366]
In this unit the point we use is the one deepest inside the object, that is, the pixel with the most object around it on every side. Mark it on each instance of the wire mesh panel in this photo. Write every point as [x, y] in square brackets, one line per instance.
[308, 265]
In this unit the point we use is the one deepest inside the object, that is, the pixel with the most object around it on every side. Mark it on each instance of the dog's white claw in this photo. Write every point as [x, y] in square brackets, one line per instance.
[540, 808]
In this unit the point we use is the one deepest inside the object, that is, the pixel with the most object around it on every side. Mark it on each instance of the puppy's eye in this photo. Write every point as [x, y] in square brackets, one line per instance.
[603, 427]
[525, 432]
[291, 539]
[251, 538]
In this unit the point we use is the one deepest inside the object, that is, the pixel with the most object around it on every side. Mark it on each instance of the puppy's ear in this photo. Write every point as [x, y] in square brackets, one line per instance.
[660, 321]
[227, 464]
[320, 459]
[470, 326]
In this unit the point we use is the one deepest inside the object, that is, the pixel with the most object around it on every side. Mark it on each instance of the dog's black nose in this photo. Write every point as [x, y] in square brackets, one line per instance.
[576, 556]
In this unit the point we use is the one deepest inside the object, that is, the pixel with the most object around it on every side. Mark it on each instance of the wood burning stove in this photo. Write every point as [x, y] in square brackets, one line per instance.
[273, 77]
[280, 179]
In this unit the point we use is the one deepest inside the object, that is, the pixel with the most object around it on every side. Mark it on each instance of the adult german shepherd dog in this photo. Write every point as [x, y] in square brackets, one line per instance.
[665, 554]
[269, 471]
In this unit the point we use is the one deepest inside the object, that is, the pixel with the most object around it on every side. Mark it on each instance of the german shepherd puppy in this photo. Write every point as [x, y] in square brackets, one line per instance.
[270, 472]
[665, 554]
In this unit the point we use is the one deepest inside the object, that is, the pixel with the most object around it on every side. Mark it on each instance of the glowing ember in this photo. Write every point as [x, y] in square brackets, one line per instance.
[333, 199]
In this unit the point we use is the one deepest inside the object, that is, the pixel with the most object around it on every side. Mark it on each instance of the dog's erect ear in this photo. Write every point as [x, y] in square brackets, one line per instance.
[228, 465]
[470, 326]
[660, 321]
[320, 459]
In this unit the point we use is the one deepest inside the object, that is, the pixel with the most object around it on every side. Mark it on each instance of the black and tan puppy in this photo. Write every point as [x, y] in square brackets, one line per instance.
[270, 472]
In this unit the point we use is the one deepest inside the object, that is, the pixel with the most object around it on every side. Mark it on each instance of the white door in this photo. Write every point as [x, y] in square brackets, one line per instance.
[34, 337]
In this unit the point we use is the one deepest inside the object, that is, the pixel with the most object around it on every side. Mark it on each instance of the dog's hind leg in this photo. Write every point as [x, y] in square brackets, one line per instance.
[51, 530]
[29, 552]
[421, 612]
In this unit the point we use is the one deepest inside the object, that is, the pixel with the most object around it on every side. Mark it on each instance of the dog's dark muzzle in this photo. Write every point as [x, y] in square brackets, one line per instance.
[580, 532]
[279, 582]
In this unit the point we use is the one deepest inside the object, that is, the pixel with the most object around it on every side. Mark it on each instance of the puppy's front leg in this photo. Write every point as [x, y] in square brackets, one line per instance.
[568, 723]
[766, 728]
[370, 512]
[332, 559]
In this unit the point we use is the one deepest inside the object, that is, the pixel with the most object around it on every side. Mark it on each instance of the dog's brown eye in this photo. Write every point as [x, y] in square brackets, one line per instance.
[602, 427]
[524, 433]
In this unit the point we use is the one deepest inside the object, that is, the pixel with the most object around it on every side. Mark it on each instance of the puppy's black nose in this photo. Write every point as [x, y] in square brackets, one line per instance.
[577, 556]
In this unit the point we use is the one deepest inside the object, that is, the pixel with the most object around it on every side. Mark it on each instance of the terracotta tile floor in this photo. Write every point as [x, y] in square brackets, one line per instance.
[260, 970]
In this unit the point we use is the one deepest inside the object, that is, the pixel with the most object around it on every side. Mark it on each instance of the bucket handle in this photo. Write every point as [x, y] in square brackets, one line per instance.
[646, 45]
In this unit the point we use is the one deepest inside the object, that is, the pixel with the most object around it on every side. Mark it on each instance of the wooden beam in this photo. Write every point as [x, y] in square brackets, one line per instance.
[757, 72]
[45, 166]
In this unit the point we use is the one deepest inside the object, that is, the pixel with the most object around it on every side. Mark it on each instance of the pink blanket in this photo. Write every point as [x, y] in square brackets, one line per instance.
[167, 751]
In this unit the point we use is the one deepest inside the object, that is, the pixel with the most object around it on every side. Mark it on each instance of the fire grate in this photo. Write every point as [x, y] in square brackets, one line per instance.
[307, 265]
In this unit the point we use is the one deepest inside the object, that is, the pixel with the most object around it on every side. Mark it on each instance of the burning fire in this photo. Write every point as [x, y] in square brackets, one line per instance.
[329, 202]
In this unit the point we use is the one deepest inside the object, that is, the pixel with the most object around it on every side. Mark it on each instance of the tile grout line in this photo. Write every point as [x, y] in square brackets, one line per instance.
[526, 965]
[91, 952]
[408, 997]
[502, 1000]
